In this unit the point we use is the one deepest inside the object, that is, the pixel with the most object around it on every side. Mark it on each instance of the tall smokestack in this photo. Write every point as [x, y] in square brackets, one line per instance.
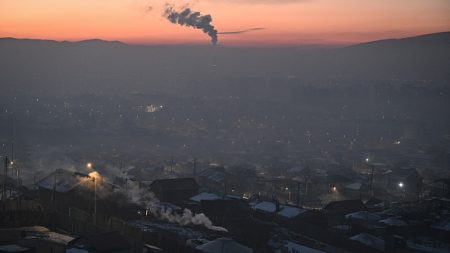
[186, 17]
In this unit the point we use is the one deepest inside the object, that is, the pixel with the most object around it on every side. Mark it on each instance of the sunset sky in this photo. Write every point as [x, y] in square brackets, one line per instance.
[285, 22]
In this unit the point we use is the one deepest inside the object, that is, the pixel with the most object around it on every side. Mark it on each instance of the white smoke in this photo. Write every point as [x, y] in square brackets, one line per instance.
[159, 211]
[145, 198]
[187, 218]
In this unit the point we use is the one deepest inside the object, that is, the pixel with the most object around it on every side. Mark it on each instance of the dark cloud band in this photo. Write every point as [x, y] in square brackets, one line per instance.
[242, 31]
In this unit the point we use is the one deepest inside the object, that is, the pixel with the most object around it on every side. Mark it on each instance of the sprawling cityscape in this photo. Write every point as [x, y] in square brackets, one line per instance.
[108, 146]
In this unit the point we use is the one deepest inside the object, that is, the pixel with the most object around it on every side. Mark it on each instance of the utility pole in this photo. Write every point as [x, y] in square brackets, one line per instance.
[95, 201]
[11, 162]
[17, 177]
[225, 186]
[126, 186]
[371, 180]
[195, 166]
[12, 144]
[5, 180]
[12, 151]
[54, 190]
[171, 165]
[91, 166]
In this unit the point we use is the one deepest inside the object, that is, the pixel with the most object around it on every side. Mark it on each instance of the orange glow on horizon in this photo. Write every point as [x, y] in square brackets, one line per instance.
[293, 23]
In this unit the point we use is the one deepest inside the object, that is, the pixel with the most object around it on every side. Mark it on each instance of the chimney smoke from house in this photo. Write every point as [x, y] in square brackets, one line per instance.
[153, 205]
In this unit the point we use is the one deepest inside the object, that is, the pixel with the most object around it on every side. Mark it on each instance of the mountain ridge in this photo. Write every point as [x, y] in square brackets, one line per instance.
[429, 37]
[101, 66]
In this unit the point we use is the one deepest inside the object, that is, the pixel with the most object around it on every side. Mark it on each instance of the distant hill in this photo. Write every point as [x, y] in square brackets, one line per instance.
[420, 57]
[10, 41]
[112, 66]
[442, 38]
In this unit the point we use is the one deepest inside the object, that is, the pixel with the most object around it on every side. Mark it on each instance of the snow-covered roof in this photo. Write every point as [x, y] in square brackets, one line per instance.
[265, 206]
[290, 211]
[370, 240]
[443, 224]
[393, 221]
[233, 197]
[253, 203]
[12, 248]
[194, 243]
[355, 186]
[224, 245]
[62, 180]
[76, 250]
[58, 237]
[294, 248]
[363, 215]
[205, 196]
[428, 244]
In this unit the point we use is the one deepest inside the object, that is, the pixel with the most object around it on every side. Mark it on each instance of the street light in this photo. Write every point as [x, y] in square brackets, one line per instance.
[335, 192]
[89, 165]
[94, 175]
[95, 200]
[372, 168]
[289, 193]
[401, 185]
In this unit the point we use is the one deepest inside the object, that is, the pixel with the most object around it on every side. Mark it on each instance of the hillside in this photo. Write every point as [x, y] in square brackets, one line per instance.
[109, 66]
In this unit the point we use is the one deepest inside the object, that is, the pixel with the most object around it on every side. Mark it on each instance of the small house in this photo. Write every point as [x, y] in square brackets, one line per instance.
[175, 191]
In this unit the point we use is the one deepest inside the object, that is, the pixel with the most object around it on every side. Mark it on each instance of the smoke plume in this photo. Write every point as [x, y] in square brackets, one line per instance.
[186, 17]
[147, 199]
[187, 218]
[154, 207]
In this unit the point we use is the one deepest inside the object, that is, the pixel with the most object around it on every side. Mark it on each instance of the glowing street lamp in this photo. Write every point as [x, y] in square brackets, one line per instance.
[89, 165]
[95, 200]
[289, 193]
[401, 185]
[335, 192]
[94, 176]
